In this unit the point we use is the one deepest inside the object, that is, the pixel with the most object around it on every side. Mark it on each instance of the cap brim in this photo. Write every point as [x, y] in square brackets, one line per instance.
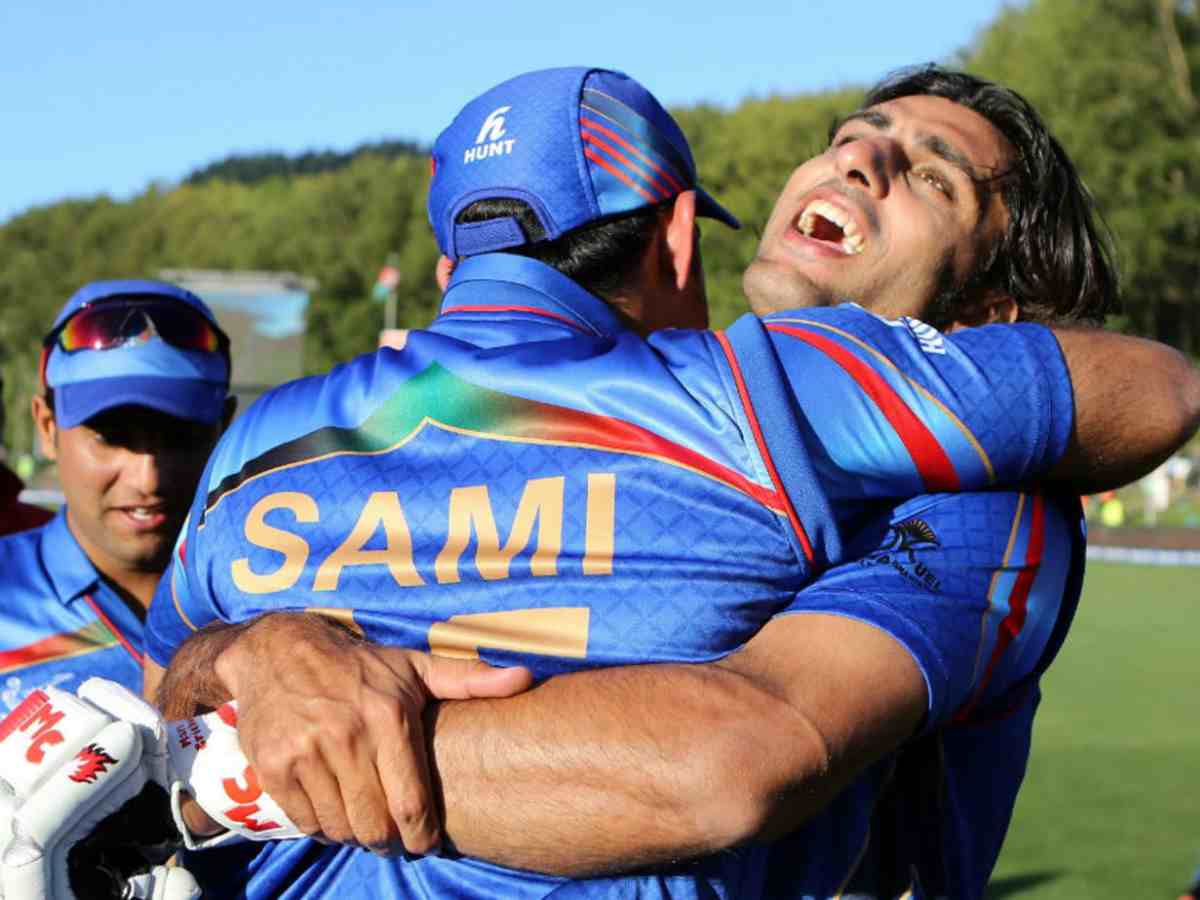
[183, 398]
[710, 208]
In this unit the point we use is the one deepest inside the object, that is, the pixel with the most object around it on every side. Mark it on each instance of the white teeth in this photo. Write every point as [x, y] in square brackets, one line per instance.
[140, 512]
[852, 239]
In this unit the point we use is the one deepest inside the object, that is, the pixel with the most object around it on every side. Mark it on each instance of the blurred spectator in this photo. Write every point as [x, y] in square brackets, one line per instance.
[1179, 470]
[1112, 510]
[1156, 492]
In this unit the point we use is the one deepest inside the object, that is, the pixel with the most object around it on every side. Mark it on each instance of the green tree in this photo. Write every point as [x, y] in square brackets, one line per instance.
[1116, 80]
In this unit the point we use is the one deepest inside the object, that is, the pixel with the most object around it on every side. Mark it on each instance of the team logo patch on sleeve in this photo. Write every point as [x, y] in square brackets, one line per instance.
[899, 550]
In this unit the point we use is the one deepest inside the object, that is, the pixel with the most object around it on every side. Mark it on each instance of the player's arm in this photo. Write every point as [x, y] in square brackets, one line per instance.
[610, 770]
[1136, 402]
[662, 765]
[613, 769]
[690, 759]
[897, 408]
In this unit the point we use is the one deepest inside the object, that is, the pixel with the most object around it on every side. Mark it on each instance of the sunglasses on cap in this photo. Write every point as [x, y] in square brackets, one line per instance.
[128, 320]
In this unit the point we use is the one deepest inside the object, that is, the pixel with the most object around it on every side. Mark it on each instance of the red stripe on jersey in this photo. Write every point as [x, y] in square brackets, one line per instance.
[762, 446]
[608, 132]
[532, 310]
[1018, 602]
[606, 433]
[111, 626]
[617, 173]
[931, 460]
[57, 646]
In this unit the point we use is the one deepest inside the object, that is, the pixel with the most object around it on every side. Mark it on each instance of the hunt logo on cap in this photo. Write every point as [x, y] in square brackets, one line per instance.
[489, 141]
[595, 144]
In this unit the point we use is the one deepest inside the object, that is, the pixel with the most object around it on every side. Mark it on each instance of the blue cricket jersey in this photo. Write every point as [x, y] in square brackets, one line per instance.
[60, 623]
[981, 589]
[528, 482]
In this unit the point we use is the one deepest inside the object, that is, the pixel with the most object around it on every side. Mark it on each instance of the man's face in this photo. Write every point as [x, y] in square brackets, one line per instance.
[128, 475]
[899, 210]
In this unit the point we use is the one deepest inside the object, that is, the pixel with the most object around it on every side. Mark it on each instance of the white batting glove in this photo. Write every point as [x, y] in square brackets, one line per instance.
[207, 762]
[69, 763]
[72, 768]
[163, 883]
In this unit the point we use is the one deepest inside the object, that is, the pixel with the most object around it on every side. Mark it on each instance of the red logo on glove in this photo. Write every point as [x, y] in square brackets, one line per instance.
[93, 762]
[245, 797]
[34, 709]
[228, 714]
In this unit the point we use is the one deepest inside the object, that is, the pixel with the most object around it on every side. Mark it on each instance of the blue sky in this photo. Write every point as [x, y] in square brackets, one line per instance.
[107, 97]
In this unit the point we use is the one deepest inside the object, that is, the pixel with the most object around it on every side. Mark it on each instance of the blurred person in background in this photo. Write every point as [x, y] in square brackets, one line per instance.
[15, 515]
[135, 392]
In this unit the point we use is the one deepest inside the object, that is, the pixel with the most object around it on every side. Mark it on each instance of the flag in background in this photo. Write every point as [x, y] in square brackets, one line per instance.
[385, 283]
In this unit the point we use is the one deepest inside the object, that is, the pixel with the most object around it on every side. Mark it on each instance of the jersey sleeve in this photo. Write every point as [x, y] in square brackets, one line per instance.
[167, 625]
[979, 588]
[896, 408]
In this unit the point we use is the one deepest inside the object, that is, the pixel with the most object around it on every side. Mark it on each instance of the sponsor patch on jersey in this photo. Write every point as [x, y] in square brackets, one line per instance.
[904, 540]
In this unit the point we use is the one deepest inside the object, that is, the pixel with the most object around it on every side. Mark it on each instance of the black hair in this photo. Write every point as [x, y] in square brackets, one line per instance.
[602, 256]
[1056, 258]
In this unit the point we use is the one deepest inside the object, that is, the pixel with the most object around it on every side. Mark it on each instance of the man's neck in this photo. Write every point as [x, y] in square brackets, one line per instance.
[134, 586]
[136, 589]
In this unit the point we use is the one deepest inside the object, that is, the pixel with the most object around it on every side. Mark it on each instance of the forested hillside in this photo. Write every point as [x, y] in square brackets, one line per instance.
[1117, 79]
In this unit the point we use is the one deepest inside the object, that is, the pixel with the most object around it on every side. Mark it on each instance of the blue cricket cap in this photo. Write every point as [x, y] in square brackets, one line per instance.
[187, 384]
[576, 144]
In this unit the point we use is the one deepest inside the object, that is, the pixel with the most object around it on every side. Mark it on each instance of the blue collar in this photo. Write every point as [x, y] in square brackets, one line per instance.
[541, 291]
[69, 569]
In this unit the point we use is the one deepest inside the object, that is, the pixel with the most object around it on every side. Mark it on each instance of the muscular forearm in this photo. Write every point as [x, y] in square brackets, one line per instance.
[616, 769]
[600, 771]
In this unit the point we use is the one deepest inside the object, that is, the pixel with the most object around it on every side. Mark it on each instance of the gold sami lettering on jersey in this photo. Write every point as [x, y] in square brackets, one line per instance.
[293, 547]
[382, 509]
[538, 521]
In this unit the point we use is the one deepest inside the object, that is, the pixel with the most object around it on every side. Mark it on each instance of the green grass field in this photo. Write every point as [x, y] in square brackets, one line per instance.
[1111, 802]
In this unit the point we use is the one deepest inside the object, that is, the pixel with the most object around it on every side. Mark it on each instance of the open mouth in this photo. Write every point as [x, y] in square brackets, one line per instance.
[824, 222]
[143, 517]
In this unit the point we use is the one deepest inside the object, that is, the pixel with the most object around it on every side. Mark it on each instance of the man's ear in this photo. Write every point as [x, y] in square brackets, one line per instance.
[45, 426]
[680, 221]
[443, 271]
[993, 306]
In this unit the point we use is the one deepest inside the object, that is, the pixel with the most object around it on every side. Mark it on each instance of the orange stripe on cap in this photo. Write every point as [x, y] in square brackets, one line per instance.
[616, 173]
[614, 153]
[609, 133]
